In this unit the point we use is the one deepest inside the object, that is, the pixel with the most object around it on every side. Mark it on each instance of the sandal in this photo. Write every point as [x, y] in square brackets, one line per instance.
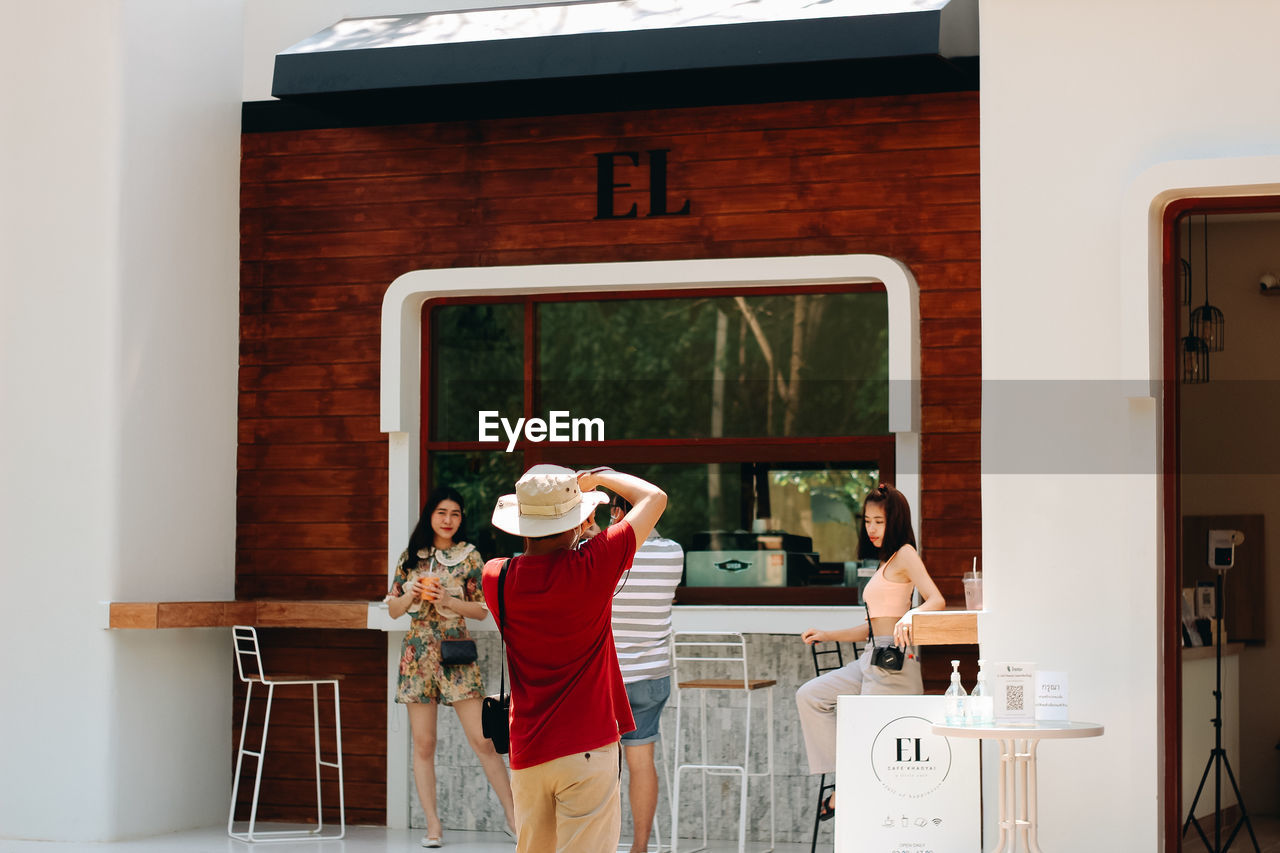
[827, 810]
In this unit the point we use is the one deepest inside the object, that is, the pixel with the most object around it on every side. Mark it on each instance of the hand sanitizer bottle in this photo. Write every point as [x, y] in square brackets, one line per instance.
[981, 702]
[956, 705]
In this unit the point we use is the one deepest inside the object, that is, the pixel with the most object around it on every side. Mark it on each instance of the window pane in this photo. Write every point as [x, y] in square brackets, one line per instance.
[481, 477]
[749, 366]
[805, 520]
[478, 364]
[824, 504]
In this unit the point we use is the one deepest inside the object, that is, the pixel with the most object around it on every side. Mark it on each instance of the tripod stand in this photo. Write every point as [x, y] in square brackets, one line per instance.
[1218, 759]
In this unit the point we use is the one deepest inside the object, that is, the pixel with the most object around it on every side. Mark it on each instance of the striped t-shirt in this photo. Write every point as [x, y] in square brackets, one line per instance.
[642, 609]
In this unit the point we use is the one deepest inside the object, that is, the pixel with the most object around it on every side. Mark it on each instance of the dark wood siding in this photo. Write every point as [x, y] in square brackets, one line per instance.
[331, 217]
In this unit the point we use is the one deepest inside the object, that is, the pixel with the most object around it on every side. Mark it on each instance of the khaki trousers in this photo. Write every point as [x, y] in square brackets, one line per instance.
[570, 804]
[816, 700]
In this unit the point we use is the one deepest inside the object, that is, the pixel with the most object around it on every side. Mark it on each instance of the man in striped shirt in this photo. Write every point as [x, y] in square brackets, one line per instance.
[641, 628]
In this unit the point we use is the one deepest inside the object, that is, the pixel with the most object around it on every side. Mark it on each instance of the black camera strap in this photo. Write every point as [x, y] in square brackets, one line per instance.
[871, 634]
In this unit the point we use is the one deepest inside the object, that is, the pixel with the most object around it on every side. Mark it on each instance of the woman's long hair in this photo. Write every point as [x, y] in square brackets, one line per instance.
[423, 537]
[897, 524]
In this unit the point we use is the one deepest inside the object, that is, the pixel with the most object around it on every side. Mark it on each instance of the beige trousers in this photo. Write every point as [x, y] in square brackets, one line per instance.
[570, 804]
[816, 700]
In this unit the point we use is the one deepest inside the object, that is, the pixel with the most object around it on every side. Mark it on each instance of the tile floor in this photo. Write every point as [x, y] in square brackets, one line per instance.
[1265, 827]
[369, 839]
[360, 839]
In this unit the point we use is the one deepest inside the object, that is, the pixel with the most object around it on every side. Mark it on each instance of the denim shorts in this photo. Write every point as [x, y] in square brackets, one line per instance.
[647, 699]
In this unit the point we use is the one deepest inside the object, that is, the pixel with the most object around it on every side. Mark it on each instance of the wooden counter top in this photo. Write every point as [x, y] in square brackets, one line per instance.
[944, 627]
[224, 614]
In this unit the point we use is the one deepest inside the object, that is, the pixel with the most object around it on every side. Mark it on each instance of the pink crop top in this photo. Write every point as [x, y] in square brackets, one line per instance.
[884, 597]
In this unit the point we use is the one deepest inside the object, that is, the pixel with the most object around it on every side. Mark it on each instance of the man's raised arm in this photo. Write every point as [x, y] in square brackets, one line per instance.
[647, 500]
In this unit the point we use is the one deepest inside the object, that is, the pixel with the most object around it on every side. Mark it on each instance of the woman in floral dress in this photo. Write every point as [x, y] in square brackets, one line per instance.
[438, 583]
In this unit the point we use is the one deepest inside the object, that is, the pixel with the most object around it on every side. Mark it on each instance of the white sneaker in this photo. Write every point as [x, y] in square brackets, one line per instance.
[432, 841]
[509, 831]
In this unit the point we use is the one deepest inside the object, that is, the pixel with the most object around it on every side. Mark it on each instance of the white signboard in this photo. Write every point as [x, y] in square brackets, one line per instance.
[902, 788]
[1052, 695]
[1015, 692]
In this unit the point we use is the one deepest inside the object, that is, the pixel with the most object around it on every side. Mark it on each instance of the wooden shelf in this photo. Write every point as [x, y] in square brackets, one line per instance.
[939, 628]
[1210, 652]
[945, 627]
[224, 614]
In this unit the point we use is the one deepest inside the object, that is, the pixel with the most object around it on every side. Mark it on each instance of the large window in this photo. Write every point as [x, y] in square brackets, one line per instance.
[763, 414]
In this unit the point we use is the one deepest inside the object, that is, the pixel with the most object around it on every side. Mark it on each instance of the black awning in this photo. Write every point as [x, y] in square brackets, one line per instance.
[614, 39]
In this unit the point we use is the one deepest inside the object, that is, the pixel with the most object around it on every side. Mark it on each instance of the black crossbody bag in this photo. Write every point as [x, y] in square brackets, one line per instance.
[456, 652]
[495, 711]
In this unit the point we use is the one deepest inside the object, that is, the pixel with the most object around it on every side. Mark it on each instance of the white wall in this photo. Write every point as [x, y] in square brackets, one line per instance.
[57, 532]
[117, 429]
[1078, 100]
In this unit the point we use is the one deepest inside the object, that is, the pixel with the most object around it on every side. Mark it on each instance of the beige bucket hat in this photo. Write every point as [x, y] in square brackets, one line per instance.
[547, 501]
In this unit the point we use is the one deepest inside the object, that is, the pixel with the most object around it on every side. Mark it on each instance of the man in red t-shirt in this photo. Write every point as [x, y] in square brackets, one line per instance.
[568, 704]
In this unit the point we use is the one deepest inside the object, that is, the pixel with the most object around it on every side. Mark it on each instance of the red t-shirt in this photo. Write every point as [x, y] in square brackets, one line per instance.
[567, 694]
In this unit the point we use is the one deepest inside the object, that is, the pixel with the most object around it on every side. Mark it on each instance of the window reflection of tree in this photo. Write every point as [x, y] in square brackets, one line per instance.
[803, 365]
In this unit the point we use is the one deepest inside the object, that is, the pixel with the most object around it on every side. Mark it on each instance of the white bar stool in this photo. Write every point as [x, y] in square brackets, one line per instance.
[723, 653]
[249, 668]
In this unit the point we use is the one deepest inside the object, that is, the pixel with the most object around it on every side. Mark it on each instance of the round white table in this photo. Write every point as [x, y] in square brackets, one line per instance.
[1017, 779]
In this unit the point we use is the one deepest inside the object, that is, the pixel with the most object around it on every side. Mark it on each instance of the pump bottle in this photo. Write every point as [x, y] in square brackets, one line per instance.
[955, 708]
[981, 702]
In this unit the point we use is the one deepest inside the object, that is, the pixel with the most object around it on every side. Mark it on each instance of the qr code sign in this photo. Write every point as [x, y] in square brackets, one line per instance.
[1014, 697]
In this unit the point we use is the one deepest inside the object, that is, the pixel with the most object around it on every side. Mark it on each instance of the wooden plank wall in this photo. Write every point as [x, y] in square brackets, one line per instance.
[331, 217]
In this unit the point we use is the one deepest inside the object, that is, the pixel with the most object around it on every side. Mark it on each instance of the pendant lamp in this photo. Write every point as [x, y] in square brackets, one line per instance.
[1207, 322]
[1195, 361]
[1193, 353]
[1184, 268]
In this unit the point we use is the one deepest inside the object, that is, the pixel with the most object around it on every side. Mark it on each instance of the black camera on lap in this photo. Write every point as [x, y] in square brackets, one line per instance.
[888, 657]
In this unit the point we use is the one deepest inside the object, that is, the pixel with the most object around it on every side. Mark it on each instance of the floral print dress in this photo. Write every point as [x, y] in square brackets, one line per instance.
[422, 677]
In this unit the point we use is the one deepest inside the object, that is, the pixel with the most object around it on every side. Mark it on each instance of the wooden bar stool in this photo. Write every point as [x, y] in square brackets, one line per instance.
[249, 668]
[727, 654]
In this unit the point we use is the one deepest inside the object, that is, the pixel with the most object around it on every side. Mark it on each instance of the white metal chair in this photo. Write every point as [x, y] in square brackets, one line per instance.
[725, 654]
[249, 668]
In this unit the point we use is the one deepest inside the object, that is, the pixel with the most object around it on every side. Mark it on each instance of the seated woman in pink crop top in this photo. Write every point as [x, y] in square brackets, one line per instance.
[887, 536]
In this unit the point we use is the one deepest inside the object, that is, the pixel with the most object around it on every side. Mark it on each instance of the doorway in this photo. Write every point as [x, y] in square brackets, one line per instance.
[1222, 471]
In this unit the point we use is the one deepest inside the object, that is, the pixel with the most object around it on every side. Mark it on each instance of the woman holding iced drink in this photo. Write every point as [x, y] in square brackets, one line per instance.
[886, 536]
[437, 582]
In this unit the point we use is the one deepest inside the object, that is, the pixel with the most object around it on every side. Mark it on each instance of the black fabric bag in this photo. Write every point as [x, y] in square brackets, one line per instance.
[457, 652]
[495, 711]
[495, 721]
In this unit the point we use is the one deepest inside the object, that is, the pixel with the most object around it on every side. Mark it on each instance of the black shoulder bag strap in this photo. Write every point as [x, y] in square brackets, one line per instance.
[502, 665]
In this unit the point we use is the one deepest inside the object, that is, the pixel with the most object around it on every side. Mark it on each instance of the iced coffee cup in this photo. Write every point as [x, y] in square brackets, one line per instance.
[973, 591]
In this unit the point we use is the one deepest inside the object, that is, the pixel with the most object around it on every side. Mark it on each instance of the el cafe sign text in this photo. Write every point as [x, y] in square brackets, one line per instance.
[607, 166]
